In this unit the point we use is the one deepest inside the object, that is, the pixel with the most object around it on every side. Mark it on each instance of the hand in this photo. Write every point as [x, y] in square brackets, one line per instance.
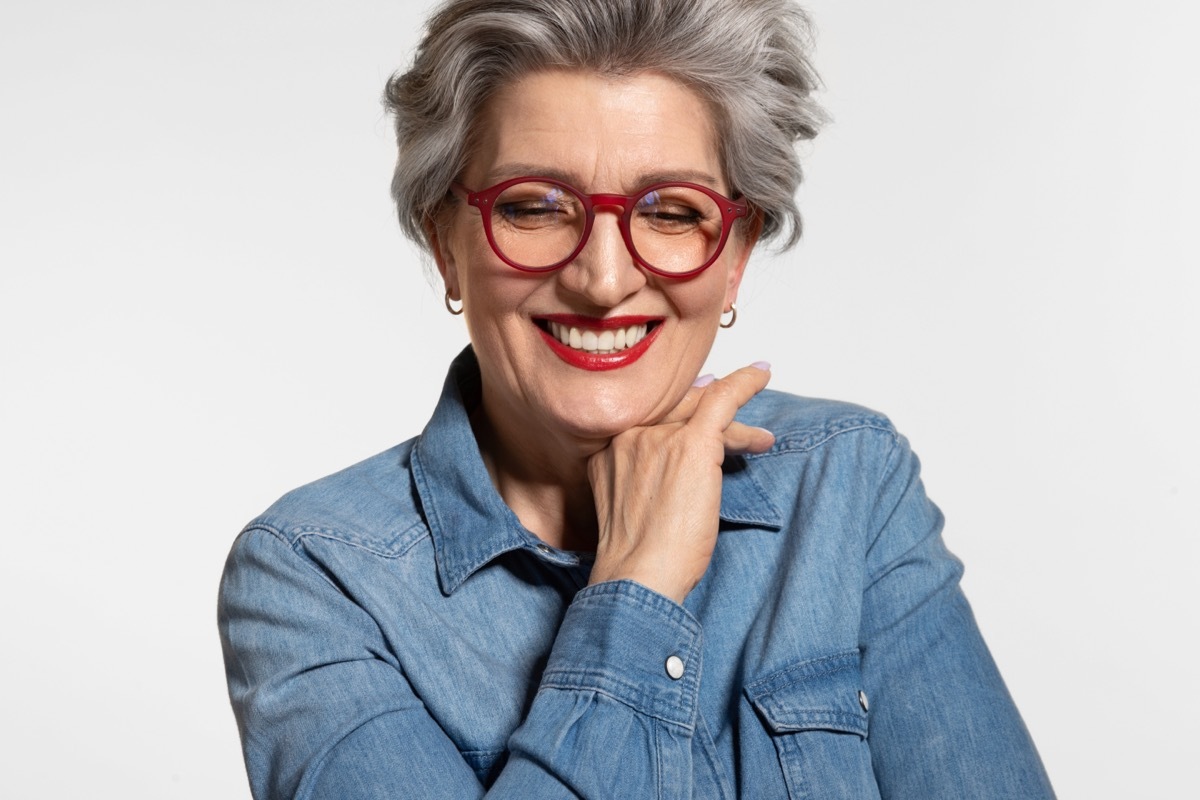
[658, 488]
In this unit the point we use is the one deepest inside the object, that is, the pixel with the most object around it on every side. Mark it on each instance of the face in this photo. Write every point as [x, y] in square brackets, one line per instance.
[600, 135]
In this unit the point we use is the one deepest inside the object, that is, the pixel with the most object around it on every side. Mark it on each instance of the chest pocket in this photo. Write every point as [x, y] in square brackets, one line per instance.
[816, 715]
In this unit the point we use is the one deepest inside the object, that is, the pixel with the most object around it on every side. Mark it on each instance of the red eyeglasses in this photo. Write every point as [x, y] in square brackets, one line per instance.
[540, 224]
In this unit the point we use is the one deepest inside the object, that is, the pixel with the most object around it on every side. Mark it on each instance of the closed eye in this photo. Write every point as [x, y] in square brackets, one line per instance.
[669, 218]
[534, 213]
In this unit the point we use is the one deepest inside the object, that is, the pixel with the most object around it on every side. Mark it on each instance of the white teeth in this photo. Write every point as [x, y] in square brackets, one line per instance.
[601, 341]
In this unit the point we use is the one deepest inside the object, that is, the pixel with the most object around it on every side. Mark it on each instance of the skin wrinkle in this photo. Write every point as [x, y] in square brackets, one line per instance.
[503, 172]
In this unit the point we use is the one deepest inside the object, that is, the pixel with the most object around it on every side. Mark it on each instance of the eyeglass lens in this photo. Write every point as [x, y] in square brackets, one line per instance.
[674, 229]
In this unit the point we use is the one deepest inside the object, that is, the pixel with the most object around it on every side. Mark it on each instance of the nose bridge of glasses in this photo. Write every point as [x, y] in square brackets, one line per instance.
[616, 203]
[613, 248]
[606, 202]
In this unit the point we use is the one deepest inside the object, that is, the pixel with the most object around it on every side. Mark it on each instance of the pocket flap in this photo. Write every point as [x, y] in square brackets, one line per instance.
[818, 694]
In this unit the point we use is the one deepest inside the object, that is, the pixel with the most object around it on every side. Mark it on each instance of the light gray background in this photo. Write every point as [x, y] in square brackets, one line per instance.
[205, 301]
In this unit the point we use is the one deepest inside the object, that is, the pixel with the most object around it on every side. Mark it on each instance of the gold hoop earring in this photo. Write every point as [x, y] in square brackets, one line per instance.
[732, 319]
[451, 308]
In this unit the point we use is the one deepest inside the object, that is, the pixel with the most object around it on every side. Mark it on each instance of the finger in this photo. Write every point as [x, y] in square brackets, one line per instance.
[722, 399]
[683, 410]
[740, 439]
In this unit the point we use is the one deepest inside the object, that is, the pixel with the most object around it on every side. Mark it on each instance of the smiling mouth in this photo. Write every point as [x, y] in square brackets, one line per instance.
[601, 341]
[598, 343]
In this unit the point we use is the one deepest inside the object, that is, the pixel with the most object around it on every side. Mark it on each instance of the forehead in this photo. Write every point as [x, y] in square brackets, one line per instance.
[600, 132]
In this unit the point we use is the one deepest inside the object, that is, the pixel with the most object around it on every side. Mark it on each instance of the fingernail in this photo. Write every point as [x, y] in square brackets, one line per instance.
[704, 380]
[765, 366]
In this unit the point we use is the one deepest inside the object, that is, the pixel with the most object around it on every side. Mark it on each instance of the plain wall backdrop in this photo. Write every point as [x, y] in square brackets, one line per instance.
[205, 301]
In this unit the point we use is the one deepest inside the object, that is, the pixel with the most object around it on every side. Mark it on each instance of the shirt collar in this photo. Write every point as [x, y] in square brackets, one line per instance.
[469, 522]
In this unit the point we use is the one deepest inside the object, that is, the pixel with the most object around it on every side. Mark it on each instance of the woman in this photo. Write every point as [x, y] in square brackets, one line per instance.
[594, 574]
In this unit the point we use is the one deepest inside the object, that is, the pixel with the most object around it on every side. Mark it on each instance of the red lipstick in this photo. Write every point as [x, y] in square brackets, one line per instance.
[599, 362]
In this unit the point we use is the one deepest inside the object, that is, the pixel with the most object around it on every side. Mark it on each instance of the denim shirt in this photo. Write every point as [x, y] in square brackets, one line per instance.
[394, 631]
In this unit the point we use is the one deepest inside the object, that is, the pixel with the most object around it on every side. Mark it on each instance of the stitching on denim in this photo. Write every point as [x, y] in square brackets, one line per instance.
[707, 747]
[430, 509]
[320, 573]
[267, 528]
[823, 720]
[661, 702]
[658, 762]
[484, 753]
[818, 716]
[599, 593]
[803, 679]
[590, 679]
[608, 590]
[301, 532]
[453, 573]
[765, 501]
[416, 540]
[803, 666]
[481, 758]
[654, 713]
[805, 441]
[293, 547]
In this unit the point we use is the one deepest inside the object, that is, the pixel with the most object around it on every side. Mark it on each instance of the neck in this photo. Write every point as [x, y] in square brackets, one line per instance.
[542, 478]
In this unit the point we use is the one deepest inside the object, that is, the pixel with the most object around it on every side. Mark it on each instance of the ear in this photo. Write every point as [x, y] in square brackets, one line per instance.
[443, 256]
[742, 241]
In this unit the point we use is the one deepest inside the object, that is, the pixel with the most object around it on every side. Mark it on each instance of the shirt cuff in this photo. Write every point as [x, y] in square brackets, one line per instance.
[631, 643]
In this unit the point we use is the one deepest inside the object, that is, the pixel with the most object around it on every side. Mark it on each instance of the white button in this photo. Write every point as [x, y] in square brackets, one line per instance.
[543, 549]
[862, 700]
[675, 667]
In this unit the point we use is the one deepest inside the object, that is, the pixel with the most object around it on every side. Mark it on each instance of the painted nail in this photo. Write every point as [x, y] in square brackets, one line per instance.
[704, 380]
[765, 366]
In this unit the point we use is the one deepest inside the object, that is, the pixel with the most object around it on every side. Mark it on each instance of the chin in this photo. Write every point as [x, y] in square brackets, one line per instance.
[595, 427]
[601, 420]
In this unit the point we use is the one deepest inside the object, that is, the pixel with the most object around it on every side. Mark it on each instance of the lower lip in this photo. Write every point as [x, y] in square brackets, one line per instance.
[599, 362]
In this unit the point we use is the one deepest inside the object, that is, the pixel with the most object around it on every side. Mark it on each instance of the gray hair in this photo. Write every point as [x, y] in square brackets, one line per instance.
[749, 59]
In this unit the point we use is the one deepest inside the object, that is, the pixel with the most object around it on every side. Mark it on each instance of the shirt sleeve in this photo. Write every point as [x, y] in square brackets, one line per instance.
[942, 724]
[325, 711]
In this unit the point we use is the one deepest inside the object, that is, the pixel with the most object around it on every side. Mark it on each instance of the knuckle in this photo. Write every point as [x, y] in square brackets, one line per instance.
[720, 390]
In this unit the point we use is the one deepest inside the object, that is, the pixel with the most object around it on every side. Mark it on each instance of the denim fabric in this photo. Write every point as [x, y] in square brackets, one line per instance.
[393, 631]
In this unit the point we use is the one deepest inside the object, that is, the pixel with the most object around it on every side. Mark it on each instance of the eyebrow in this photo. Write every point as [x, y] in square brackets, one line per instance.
[504, 172]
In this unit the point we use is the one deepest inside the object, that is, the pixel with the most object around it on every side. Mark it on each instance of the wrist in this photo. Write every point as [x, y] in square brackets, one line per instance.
[667, 579]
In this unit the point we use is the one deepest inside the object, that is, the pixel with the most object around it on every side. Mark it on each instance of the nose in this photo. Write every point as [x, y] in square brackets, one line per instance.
[604, 272]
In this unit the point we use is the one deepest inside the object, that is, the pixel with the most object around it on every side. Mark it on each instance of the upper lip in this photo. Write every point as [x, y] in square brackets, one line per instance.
[598, 323]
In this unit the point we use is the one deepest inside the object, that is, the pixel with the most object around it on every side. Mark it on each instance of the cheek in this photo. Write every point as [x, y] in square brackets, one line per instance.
[496, 297]
[703, 299]
[469, 256]
[488, 286]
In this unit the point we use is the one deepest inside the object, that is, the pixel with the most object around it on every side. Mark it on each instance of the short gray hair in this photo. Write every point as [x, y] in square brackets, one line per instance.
[749, 59]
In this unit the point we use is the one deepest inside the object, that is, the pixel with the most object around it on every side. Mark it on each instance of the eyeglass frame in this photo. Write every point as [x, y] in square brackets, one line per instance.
[484, 199]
